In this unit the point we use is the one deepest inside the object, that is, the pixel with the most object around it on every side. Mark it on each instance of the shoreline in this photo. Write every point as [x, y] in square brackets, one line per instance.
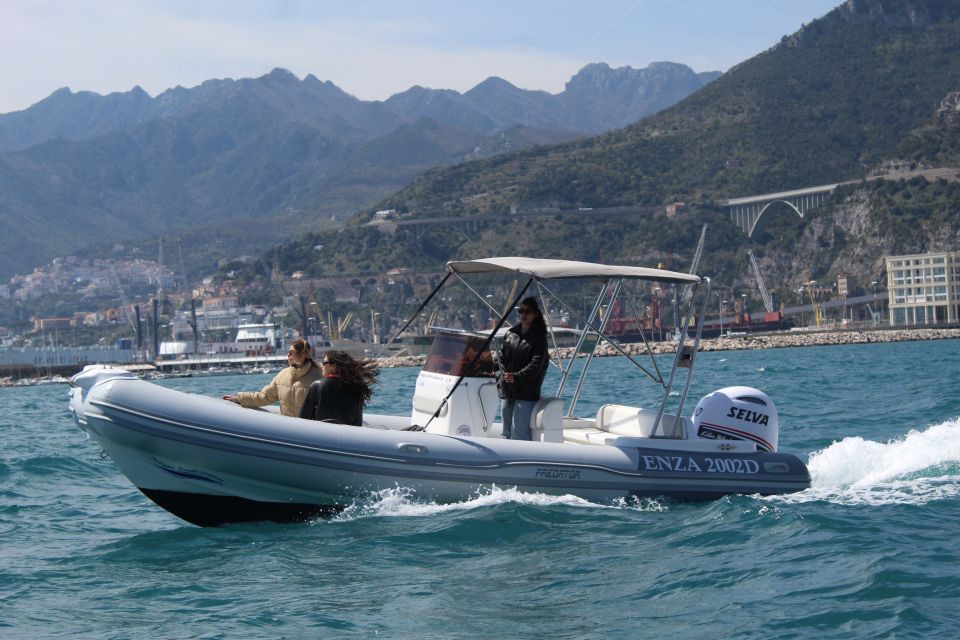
[798, 339]
[749, 342]
[731, 343]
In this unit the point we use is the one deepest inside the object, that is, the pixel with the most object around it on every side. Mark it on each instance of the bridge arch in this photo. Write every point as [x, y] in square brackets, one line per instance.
[746, 212]
[756, 221]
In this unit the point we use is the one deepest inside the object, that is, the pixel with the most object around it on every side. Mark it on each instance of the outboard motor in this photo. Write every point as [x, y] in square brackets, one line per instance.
[738, 413]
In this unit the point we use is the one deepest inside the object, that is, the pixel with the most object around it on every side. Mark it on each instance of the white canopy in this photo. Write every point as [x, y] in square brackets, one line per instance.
[547, 268]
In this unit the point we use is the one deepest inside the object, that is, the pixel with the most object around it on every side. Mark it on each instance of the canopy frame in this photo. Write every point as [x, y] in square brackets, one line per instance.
[612, 280]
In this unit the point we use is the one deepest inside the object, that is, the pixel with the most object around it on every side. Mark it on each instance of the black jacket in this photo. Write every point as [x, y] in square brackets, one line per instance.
[332, 401]
[526, 357]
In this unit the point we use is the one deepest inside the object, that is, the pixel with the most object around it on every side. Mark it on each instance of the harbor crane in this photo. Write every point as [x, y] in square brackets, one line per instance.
[343, 324]
[124, 305]
[767, 300]
[815, 295]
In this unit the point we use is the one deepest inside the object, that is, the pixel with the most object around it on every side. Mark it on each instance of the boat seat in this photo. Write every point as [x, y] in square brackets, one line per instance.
[587, 435]
[637, 422]
[546, 420]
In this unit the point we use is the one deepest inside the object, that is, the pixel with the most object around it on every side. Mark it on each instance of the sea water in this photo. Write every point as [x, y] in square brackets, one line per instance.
[871, 550]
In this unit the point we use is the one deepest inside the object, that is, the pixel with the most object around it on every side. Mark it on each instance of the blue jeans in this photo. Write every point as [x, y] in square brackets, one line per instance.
[516, 418]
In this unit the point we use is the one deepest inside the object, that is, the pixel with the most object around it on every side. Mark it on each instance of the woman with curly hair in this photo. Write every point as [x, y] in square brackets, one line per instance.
[346, 388]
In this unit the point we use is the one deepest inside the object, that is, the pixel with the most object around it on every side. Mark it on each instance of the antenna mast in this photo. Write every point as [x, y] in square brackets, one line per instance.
[123, 298]
[160, 276]
[699, 252]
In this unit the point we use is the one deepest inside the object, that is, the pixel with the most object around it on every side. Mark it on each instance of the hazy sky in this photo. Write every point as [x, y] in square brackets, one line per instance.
[371, 49]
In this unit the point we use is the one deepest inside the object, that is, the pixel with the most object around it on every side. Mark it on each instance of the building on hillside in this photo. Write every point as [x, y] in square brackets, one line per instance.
[51, 324]
[674, 208]
[220, 302]
[924, 289]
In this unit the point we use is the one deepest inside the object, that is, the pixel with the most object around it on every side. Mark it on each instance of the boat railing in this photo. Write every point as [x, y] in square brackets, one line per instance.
[612, 286]
[684, 358]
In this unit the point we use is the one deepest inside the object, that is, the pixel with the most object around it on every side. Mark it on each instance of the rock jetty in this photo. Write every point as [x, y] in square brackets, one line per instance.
[795, 339]
[755, 341]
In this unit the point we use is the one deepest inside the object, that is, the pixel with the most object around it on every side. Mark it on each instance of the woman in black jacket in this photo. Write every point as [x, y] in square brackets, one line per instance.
[346, 387]
[524, 360]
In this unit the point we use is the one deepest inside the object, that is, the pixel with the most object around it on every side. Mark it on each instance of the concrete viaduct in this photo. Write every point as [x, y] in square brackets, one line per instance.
[746, 212]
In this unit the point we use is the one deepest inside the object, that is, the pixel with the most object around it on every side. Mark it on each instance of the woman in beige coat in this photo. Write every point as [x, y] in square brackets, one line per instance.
[290, 386]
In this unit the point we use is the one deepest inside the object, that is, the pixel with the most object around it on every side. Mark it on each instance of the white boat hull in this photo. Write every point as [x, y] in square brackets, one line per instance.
[211, 462]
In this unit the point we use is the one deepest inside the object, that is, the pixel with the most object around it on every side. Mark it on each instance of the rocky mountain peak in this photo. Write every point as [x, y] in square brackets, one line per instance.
[490, 87]
[908, 15]
[279, 74]
[600, 78]
[898, 13]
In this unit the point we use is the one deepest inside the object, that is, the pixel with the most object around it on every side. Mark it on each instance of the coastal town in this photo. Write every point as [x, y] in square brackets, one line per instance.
[207, 329]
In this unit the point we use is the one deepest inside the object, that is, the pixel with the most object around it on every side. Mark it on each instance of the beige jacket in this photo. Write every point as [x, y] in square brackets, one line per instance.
[290, 387]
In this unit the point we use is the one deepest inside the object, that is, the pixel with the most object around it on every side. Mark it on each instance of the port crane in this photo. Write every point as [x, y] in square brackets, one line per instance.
[814, 294]
[767, 300]
[124, 305]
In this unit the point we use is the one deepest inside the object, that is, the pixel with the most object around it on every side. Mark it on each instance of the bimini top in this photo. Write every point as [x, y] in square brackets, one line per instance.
[547, 268]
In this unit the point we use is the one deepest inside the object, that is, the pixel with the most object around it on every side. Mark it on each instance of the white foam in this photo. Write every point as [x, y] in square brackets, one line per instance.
[403, 502]
[917, 468]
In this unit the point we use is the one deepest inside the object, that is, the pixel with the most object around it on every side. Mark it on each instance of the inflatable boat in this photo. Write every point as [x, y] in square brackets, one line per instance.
[212, 462]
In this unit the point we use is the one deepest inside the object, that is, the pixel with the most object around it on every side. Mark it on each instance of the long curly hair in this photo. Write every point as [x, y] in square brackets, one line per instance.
[358, 375]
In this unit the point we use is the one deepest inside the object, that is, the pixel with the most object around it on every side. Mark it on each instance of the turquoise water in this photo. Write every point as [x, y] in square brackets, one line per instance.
[870, 551]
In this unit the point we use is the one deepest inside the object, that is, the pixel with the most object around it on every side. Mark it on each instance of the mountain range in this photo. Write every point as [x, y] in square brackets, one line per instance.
[869, 89]
[234, 166]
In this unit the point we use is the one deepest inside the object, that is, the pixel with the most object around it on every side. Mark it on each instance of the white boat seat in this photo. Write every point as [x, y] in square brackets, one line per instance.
[546, 421]
[588, 435]
[636, 422]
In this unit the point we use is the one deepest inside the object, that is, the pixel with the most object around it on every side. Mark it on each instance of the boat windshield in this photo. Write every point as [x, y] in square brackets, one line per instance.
[452, 353]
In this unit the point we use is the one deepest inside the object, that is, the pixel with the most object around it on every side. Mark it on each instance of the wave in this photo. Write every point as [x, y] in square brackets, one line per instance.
[404, 502]
[917, 468]
[922, 466]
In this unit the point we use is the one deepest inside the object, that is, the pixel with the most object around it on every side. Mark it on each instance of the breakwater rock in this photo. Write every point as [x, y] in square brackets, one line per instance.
[794, 339]
[401, 361]
[756, 341]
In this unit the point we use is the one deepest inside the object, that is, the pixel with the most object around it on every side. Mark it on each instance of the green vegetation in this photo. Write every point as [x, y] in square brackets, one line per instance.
[909, 209]
[825, 105]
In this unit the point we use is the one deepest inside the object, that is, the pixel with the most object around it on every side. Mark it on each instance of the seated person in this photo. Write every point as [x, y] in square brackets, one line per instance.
[345, 389]
[290, 386]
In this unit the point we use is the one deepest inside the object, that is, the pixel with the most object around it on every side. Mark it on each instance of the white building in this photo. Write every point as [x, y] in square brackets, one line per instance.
[924, 289]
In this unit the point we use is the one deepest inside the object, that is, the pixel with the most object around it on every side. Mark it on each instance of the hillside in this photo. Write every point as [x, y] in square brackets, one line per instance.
[826, 104]
[870, 85]
[265, 158]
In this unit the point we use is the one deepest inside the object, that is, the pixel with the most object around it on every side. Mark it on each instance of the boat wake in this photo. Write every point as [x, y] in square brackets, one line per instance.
[403, 502]
[920, 467]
